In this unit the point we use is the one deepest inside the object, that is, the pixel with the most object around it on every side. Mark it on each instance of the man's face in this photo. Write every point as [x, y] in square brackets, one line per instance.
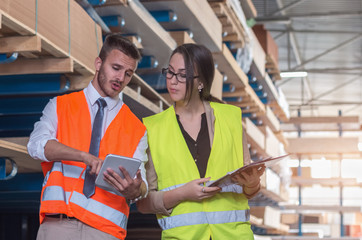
[114, 73]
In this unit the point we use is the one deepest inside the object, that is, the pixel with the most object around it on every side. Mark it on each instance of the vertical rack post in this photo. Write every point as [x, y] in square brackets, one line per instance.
[340, 175]
[300, 217]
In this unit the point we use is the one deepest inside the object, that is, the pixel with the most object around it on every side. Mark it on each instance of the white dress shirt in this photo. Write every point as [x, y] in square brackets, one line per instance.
[46, 128]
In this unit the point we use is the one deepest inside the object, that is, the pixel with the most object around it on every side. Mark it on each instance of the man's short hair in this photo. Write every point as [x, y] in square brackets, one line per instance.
[117, 41]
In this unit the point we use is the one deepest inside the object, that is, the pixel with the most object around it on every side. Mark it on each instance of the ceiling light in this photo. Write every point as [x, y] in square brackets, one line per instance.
[293, 74]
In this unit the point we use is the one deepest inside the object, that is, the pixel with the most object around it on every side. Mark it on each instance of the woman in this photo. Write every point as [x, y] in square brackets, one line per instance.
[197, 137]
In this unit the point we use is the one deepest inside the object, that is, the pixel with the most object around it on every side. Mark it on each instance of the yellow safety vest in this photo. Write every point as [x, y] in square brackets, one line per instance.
[223, 216]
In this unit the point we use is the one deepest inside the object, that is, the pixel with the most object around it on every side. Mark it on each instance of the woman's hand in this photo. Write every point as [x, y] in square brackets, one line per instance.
[250, 178]
[194, 191]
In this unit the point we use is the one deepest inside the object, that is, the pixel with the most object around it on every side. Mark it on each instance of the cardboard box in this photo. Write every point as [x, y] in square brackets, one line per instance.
[272, 144]
[284, 193]
[353, 230]
[289, 219]
[258, 54]
[314, 218]
[306, 172]
[254, 133]
[270, 216]
[272, 181]
[267, 42]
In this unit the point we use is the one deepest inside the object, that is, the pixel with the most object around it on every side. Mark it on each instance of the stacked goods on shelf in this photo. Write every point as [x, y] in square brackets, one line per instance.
[353, 225]
[305, 172]
[328, 147]
[272, 143]
[255, 138]
[217, 83]
[270, 219]
[259, 57]
[233, 31]
[271, 50]
[265, 68]
[280, 106]
[52, 57]
[181, 37]
[71, 35]
[249, 9]
[195, 17]
[195, 22]
[237, 78]
[264, 49]
[240, 92]
[270, 215]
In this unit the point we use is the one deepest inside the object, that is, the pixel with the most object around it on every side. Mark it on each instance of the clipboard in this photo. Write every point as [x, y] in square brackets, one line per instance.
[114, 161]
[226, 179]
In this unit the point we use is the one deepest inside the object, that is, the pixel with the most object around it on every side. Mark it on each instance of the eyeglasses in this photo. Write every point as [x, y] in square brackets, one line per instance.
[180, 77]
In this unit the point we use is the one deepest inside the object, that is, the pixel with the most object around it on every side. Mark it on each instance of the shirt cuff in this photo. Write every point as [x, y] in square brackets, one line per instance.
[41, 149]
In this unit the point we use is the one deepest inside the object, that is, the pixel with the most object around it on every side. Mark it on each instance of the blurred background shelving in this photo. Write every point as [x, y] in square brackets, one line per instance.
[47, 48]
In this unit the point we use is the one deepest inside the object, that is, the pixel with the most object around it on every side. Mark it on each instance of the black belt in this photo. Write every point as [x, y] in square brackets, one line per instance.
[60, 216]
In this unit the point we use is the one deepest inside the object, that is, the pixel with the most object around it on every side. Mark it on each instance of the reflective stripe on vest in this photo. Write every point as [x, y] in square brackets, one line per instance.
[100, 209]
[204, 218]
[234, 188]
[56, 193]
[68, 170]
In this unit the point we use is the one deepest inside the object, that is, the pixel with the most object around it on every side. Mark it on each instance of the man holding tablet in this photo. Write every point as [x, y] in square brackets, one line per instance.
[73, 137]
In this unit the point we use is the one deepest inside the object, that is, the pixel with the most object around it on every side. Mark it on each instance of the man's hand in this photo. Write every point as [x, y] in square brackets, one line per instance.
[56, 151]
[128, 187]
[92, 161]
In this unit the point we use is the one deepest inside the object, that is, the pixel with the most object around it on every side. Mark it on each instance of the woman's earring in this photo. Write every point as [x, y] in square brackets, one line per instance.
[200, 87]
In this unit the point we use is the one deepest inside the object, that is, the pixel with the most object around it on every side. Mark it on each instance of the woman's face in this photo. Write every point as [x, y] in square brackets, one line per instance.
[177, 89]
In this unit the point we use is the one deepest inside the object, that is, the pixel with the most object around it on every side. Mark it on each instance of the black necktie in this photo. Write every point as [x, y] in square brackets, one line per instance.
[89, 179]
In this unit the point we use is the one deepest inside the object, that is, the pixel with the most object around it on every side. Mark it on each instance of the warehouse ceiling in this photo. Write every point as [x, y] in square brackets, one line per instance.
[323, 38]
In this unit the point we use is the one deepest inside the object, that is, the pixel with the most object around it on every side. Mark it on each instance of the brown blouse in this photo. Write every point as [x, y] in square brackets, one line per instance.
[199, 149]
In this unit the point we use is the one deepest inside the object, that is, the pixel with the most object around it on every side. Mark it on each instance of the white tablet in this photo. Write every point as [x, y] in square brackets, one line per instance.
[114, 161]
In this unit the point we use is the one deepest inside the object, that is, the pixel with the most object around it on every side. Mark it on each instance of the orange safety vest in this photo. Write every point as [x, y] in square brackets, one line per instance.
[63, 183]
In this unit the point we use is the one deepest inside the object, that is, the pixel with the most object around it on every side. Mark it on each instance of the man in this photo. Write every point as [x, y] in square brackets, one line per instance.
[66, 143]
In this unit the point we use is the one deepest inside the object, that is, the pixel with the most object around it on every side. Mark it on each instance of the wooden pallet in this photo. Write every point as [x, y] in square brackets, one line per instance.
[15, 149]
[272, 68]
[249, 9]
[194, 16]
[67, 44]
[232, 28]
[278, 111]
[322, 123]
[227, 65]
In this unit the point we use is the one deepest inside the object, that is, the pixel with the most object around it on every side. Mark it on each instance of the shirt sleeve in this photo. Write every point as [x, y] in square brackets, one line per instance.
[44, 130]
[154, 201]
[246, 152]
[141, 154]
